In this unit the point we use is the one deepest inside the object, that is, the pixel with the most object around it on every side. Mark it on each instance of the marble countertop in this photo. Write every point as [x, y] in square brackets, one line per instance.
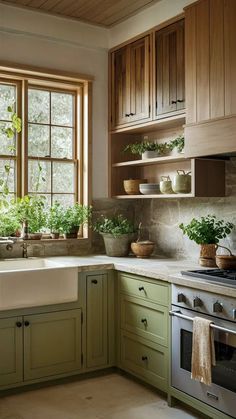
[156, 268]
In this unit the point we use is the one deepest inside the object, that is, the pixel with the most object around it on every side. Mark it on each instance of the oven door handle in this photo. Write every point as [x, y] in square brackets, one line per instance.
[214, 326]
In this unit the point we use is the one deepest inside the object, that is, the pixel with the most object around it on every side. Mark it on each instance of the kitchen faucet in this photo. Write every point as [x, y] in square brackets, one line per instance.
[25, 250]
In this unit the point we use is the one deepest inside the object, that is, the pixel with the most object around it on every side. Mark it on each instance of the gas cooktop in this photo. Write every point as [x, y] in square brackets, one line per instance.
[225, 277]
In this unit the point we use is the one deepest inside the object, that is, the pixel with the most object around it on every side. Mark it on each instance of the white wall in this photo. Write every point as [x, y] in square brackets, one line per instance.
[146, 19]
[38, 39]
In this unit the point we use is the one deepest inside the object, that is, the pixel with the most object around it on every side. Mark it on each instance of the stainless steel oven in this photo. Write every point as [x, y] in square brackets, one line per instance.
[187, 303]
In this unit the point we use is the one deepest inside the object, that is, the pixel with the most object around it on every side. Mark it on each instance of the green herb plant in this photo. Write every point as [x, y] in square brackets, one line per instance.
[177, 143]
[55, 218]
[9, 225]
[140, 148]
[116, 225]
[207, 230]
[31, 210]
[75, 216]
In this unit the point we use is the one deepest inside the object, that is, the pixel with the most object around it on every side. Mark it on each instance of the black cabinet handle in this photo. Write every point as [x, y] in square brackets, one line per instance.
[18, 324]
[144, 358]
[94, 281]
[132, 114]
[127, 114]
[180, 100]
[144, 321]
[141, 288]
[173, 102]
[26, 323]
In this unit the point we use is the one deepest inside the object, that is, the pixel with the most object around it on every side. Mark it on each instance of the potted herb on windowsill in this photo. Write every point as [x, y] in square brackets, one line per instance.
[148, 149]
[207, 232]
[30, 212]
[9, 225]
[117, 233]
[55, 220]
[73, 218]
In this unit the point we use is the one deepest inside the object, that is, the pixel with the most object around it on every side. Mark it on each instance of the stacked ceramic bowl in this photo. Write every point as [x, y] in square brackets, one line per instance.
[149, 188]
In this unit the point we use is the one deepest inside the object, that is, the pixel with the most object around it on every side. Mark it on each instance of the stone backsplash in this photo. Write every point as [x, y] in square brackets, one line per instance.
[161, 218]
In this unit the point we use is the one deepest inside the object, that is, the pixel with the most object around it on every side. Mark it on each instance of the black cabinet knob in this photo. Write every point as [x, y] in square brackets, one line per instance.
[180, 100]
[94, 281]
[26, 323]
[144, 321]
[144, 358]
[141, 288]
[18, 324]
[132, 114]
[127, 114]
[173, 102]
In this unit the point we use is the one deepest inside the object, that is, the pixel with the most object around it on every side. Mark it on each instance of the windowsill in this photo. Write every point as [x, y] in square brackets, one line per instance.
[60, 240]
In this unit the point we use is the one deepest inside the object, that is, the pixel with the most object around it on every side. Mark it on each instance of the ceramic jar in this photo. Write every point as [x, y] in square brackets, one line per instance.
[182, 182]
[166, 185]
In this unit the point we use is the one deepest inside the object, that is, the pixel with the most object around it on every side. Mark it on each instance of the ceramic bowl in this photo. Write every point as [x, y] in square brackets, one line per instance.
[131, 186]
[142, 249]
[149, 188]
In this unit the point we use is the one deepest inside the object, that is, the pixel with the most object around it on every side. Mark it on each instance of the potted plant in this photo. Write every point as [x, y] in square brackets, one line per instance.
[117, 233]
[55, 220]
[74, 217]
[148, 149]
[9, 225]
[207, 232]
[177, 143]
[30, 212]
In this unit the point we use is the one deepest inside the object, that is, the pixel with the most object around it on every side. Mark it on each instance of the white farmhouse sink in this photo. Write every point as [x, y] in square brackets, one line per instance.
[35, 282]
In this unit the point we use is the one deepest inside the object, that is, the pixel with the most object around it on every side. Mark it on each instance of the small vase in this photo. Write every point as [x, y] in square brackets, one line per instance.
[208, 255]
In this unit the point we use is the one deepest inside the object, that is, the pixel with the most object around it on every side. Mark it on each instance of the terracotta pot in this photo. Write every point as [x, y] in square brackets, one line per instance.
[142, 249]
[35, 236]
[131, 186]
[208, 255]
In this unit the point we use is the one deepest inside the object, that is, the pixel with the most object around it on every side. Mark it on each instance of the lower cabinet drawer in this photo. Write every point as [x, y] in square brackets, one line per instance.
[148, 362]
[149, 321]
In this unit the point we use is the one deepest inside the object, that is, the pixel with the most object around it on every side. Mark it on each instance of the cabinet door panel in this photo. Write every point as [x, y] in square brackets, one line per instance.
[121, 86]
[11, 351]
[170, 91]
[139, 79]
[230, 57]
[97, 354]
[52, 343]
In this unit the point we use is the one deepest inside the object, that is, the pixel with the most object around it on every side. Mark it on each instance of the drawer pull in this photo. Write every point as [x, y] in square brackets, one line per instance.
[141, 289]
[144, 358]
[94, 281]
[26, 323]
[18, 324]
[144, 321]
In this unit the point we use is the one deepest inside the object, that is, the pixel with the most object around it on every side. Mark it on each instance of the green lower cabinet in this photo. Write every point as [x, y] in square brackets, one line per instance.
[147, 361]
[97, 320]
[11, 351]
[52, 343]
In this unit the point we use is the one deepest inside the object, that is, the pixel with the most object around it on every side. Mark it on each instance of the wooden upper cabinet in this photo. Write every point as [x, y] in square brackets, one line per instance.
[130, 73]
[210, 39]
[169, 70]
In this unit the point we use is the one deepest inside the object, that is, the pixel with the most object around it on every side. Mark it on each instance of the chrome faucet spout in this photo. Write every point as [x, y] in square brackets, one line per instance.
[25, 250]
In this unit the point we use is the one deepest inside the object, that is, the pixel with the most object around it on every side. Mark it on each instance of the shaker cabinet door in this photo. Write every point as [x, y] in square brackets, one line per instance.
[169, 60]
[120, 87]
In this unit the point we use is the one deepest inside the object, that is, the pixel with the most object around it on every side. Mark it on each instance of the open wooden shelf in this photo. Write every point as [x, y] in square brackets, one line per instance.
[156, 196]
[156, 160]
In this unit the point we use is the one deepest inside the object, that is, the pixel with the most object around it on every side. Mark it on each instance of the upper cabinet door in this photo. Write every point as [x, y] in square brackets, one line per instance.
[140, 79]
[170, 75]
[120, 86]
[130, 75]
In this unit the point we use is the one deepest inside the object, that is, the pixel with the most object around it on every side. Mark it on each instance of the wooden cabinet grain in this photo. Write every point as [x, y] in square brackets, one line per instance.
[210, 38]
[130, 85]
[169, 70]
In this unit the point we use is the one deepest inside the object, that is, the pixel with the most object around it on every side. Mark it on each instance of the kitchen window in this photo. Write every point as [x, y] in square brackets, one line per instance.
[50, 156]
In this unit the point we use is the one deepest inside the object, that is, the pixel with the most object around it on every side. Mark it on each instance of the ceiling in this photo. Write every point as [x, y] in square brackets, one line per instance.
[100, 12]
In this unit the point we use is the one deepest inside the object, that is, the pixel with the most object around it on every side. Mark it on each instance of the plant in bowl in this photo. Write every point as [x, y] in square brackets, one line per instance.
[148, 149]
[207, 232]
[117, 233]
[74, 217]
[55, 220]
[177, 143]
[30, 212]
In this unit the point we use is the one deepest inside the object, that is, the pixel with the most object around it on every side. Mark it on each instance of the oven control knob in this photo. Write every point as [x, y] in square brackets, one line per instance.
[217, 307]
[197, 302]
[181, 298]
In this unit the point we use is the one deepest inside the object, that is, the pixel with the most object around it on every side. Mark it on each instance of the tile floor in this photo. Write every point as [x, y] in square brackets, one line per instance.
[107, 397]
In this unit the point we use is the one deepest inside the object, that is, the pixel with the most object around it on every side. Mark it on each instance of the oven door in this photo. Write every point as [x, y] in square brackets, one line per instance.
[221, 394]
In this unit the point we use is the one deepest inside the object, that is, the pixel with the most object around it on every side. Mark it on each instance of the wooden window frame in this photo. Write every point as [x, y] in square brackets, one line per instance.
[81, 85]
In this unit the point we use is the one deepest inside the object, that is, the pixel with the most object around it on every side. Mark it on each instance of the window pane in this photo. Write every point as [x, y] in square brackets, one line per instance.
[38, 140]
[63, 177]
[7, 98]
[62, 109]
[5, 142]
[38, 106]
[39, 181]
[10, 177]
[62, 142]
[47, 201]
[65, 200]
